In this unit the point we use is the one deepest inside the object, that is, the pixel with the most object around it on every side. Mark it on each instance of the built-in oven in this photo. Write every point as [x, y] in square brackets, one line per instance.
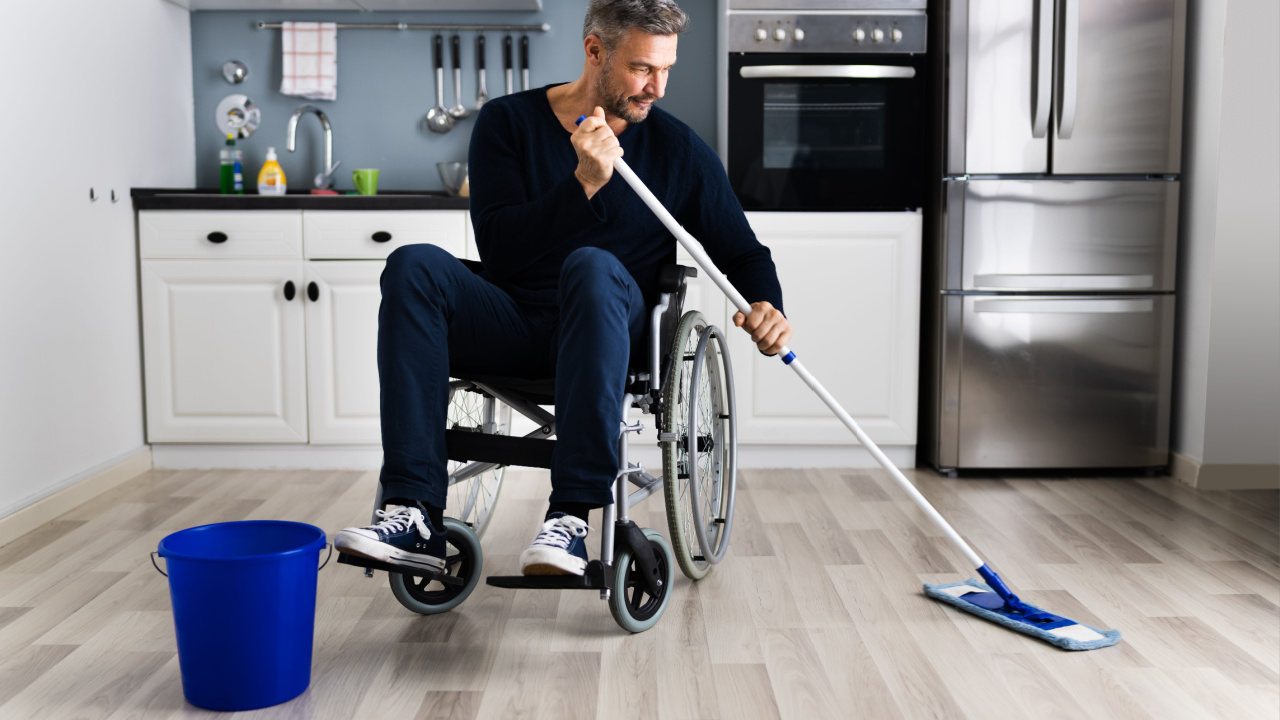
[827, 111]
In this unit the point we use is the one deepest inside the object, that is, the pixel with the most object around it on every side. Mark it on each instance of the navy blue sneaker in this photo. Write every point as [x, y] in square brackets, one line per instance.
[404, 536]
[559, 549]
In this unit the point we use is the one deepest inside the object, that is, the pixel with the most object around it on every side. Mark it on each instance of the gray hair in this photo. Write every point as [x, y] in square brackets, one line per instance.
[609, 20]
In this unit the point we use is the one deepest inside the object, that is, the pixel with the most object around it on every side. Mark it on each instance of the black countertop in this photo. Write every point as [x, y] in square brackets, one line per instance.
[209, 199]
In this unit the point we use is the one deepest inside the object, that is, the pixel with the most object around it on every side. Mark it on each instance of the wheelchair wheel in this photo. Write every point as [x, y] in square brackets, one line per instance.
[700, 465]
[473, 499]
[630, 602]
[426, 595]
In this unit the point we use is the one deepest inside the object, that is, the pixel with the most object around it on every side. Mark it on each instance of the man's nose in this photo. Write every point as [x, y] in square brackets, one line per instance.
[657, 85]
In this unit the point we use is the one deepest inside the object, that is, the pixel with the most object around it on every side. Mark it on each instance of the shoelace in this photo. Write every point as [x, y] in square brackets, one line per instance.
[398, 518]
[559, 532]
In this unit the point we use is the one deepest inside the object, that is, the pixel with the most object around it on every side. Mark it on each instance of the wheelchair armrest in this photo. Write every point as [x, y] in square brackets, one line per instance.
[671, 278]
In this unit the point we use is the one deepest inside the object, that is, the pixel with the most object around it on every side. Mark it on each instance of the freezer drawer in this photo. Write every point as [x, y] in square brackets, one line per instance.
[1057, 381]
[1061, 236]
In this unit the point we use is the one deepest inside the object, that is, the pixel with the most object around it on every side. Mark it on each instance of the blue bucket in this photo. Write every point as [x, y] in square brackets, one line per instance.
[244, 610]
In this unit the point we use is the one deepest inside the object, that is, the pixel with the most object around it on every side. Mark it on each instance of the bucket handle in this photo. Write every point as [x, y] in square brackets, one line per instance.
[157, 567]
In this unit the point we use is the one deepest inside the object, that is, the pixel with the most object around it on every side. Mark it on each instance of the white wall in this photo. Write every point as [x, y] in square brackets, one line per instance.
[1228, 383]
[98, 94]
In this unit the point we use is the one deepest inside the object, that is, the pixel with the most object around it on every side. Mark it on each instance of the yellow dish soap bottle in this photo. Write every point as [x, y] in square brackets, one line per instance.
[271, 179]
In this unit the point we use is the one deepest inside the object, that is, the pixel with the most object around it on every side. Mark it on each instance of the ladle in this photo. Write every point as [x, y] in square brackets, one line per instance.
[438, 118]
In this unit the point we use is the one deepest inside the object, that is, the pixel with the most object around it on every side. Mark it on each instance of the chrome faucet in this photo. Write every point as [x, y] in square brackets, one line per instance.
[324, 179]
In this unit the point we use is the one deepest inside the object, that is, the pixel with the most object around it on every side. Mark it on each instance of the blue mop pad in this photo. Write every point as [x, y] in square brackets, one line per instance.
[977, 597]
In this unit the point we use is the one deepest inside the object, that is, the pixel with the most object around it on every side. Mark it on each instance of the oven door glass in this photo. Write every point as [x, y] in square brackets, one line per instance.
[823, 132]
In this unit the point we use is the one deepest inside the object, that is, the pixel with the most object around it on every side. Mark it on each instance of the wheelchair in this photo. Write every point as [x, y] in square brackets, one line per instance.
[687, 386]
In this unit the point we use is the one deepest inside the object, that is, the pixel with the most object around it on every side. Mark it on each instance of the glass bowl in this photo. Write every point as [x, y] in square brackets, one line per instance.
[454, 176]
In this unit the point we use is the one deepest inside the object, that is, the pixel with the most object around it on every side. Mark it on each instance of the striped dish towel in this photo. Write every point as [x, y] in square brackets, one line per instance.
[310, 60]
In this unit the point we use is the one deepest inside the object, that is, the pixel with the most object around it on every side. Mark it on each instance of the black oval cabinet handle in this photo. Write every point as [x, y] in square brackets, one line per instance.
[382, 236]
[313, 291]
[289, 290]
[217, 237]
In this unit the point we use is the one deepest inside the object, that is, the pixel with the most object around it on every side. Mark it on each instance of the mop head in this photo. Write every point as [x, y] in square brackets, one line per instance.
[976, 597]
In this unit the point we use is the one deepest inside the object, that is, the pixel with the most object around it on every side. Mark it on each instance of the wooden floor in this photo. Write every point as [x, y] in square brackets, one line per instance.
[816, 613]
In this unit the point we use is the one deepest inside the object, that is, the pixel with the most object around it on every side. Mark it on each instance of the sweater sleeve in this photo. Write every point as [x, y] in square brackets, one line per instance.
[713, 215]
[506, 212]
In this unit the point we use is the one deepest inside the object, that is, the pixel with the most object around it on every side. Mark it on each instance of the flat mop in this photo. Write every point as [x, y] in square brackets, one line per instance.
[991, 600]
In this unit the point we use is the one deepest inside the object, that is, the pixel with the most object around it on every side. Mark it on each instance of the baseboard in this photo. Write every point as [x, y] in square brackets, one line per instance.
[1221, 476]
[72, 493]
[369, 457]
[797, 456]
[266, 457]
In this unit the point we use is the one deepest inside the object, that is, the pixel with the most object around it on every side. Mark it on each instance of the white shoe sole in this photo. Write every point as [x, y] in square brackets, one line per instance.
[353, 544]
[548, 561]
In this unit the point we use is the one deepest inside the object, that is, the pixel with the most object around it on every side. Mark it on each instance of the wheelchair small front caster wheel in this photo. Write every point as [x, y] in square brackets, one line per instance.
[431, 594]
[633, 607]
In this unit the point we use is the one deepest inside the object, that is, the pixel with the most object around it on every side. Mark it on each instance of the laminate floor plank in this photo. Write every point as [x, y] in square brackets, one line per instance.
[815, 612]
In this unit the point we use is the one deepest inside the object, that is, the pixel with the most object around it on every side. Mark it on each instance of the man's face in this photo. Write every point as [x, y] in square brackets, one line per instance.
[635, 74]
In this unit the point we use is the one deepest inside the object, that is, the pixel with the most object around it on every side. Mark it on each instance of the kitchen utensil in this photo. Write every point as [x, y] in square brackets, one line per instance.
[237, 115]
[438, 118]
[366, 181]
[455, 178]
[482, 94]
[524, 63]
[458, 110]
[235, 71]
[506, 64]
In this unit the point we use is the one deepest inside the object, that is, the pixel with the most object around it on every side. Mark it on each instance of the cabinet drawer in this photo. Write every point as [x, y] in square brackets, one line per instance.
[350, 235]
[263, 234]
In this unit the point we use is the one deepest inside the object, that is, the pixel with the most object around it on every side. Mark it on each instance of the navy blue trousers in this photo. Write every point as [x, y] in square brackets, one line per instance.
[438, 318]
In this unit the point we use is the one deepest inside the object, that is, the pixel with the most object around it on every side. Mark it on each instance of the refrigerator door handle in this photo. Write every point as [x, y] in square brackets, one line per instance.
[1089, 306]
[1070, 69]
[1042, 68]
[1004, 281]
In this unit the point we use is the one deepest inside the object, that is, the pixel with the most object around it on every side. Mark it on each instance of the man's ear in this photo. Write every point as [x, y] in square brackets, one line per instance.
[593, 47]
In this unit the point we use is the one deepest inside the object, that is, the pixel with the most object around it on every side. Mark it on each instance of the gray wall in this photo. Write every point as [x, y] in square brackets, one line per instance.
[386, 86]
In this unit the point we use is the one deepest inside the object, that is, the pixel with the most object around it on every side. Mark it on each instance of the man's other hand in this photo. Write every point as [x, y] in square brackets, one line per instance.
[597, 148]
[767, 326]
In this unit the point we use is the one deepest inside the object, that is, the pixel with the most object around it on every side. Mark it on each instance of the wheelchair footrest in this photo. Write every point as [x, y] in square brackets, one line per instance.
[592, 579]
[364, 562]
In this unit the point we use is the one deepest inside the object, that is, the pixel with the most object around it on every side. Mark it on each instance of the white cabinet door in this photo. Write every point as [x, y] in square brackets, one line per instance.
[342, 351]
[224, 351]
[851, 290]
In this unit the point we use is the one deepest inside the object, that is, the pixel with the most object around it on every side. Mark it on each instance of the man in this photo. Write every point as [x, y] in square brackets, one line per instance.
[571, 263]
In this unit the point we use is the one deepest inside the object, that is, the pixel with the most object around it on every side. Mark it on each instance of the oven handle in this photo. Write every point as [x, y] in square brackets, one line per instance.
[751, 72]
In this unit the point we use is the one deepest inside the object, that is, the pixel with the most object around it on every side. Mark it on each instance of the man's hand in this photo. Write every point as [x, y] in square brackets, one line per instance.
[597, 148]
[769, 329]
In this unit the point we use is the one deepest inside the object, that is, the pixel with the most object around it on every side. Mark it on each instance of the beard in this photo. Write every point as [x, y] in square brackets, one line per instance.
[615, 101]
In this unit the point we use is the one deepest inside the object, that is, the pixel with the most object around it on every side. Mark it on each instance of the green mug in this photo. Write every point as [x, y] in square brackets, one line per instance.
[366, 181]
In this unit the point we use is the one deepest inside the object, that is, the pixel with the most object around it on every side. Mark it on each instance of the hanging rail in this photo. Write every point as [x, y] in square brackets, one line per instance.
[544, 27]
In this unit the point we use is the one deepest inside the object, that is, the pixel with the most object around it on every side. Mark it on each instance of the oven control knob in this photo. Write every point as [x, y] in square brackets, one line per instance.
[877, 35]
[798, 34]
[779, 34]
[896, 34]
[859, 35]
[762, 34]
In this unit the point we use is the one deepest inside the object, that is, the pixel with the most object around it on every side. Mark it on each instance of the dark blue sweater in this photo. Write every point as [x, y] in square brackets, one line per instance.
[530, 212]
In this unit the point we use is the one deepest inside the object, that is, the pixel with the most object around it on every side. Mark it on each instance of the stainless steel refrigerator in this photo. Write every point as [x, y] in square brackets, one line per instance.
[1054, 234]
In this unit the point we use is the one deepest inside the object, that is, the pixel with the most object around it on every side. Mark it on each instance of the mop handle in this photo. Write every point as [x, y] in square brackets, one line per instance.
[700, 257]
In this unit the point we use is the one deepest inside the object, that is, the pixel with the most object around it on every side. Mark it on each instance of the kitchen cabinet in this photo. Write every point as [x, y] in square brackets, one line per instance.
[364, 5]
[851, 290]
[261, 326]
[223, 347]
